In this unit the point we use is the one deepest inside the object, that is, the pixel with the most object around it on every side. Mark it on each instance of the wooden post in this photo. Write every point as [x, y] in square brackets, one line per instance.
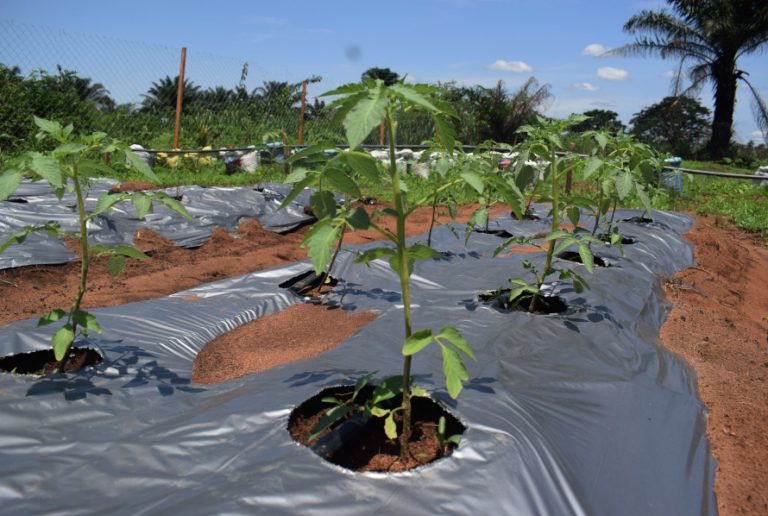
[179, 97]
[381, 133]
[301, 113]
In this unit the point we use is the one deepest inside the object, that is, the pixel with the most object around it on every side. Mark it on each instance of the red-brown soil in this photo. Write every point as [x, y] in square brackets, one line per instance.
[718, 323]
[298, 332]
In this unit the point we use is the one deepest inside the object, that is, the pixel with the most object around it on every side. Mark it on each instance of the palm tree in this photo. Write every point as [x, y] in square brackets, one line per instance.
[162, 95]
[85, 89]
[711, 35]
[385, 74]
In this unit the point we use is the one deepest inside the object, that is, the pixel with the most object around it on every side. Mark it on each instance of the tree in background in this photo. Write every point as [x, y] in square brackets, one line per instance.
[85, 89]
[710, 35]
[161, 96]
[599, 119]
[385, 74]
[677, 125]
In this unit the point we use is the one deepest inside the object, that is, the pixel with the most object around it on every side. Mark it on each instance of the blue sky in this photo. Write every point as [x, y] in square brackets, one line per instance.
[127, 45]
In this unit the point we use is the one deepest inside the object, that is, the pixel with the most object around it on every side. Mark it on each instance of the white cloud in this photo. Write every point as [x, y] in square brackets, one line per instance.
[612, 74]
[670, 74]
[584, 86]
[510, 66]
[757, 136]
[595, 49]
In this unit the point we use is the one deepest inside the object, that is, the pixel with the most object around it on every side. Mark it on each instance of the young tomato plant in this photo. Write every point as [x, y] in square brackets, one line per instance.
[544, 142]
[70, 166]
[361, 108]
[340, 175]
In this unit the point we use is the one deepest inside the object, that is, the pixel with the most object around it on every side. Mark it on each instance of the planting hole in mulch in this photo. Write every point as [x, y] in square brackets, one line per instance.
[638, 220]
[528, 215]
[308, 283]
[499, 299]
[361, 445]
[573, 256]
[501, 233]
[43, 362]
[625, 240]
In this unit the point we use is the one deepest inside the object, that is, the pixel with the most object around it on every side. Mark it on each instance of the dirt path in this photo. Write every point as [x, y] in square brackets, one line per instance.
[720, 326]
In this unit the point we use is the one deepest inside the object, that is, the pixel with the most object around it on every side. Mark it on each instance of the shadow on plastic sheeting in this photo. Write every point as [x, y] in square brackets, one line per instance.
[310, 377]
[480, 384]
[80, 385]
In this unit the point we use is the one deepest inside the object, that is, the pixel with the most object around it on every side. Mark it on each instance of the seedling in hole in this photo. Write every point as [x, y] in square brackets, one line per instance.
[71, 166]
[446, 441]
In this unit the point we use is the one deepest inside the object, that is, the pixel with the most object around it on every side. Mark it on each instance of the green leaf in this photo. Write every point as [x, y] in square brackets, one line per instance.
[574, 214]
[341, 182]
[67, 149]
[360, 383]
[359, 219]
[296, 176]
[453, 336]
[586, 257]
[61, 341]
[365, 116]
[592, 164]
[86, 320]
[142, 202]
[51, 317]
[643, 196]
[297, 189]
[323, 204]
[369, 255]
[417, 341]
[419, 392]
[140, 165]
[446, 133]
[172, 203]
[9, 182]
[454, 370]
[602, 140]
[319, 240]
[310, 151]
[331, 399]
[332, 416]
[346, 89]
[106, 201]
[380, 412]
[47, 168]
[363, 164]
[115, 264]
[51, 228]
[387, 389]
[624, 183]
[474, 180]
[130, 251]
[389, 426]
[560, 233]
[421, 252]
[479, 217]
[408, 93]
[47, 126]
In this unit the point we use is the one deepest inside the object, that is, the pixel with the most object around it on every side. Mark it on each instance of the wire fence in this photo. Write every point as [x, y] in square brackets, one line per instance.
[128, 90]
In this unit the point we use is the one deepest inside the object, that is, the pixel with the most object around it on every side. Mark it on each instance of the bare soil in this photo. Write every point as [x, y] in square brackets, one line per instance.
[718, 323]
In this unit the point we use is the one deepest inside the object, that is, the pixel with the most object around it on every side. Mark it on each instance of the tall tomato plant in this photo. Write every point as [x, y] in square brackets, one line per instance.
[71, 165]
[361, 108]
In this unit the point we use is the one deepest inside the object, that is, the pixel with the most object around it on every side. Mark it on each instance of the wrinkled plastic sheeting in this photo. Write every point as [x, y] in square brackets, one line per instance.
[577, 413]
[35, 204]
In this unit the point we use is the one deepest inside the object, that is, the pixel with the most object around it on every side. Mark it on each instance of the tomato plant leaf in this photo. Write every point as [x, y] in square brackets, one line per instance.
[142, 202]
[474, 180]
[86, 320]
[389, 426]
[387, 389]
[341, 182]
[624, 183]
[319, 240]
[417, 341]
[365, 115]
[332, 416]
[453, 336]
[129, 251]
[323, 204]
[47, 168]
[591, 166]
[380, 412]
[9, 182]
[115, 264]
[140, 165]
[359, 219]
[51, 317]
[587, 258]
[454, 370]
[369, 255]
[172, 204]
[61, 341]
[421, 252]
[363, 164]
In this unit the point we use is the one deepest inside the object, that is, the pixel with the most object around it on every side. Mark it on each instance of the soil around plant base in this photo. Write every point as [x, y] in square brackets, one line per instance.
[367, 448]
[43, 362]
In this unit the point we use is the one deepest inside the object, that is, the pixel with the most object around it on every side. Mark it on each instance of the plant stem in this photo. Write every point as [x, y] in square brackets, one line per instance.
[613, 215]
[327, 272]
[405, 434]
[599, 208]
[552, 243]
[85, 260]
[432, 220]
